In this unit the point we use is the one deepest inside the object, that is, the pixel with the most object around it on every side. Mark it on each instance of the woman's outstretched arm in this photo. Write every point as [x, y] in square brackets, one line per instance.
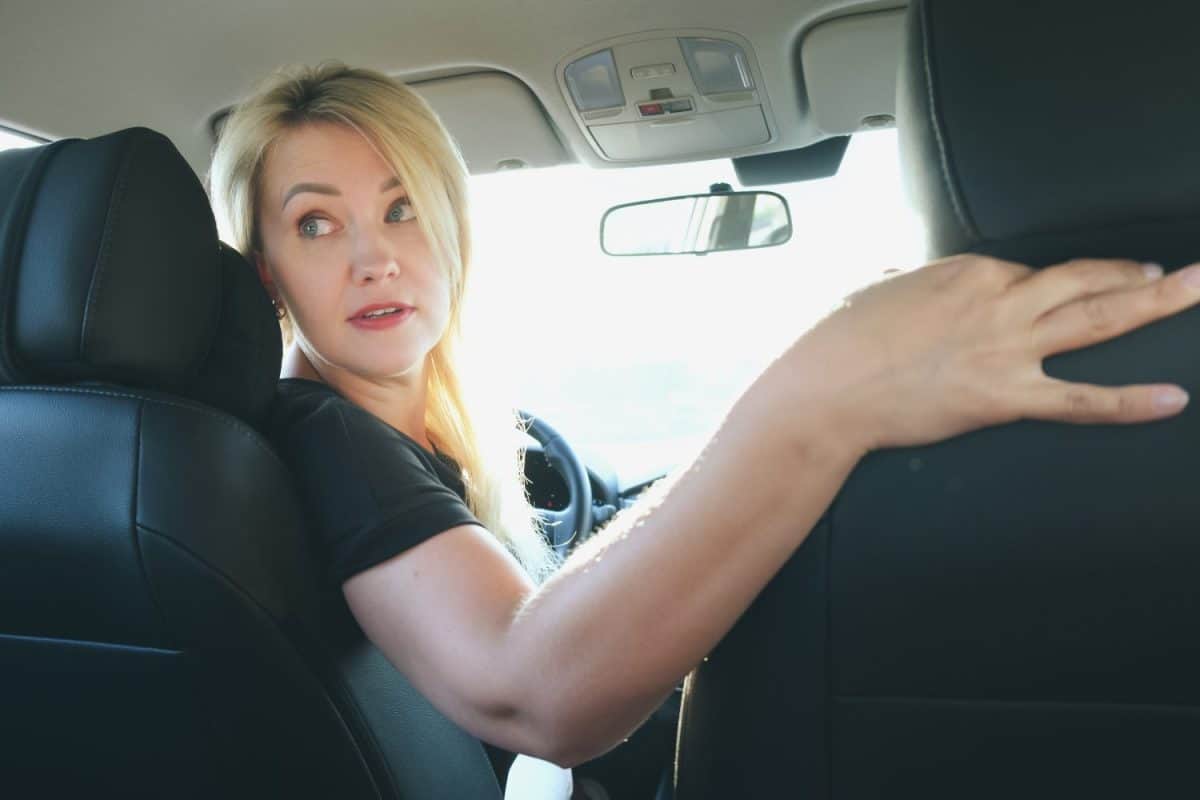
[567, 670]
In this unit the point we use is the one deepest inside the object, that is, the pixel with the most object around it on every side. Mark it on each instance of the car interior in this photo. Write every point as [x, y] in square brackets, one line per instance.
[1003, 614]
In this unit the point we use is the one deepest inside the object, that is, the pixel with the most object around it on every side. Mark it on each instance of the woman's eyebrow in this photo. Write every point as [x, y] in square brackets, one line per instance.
[318, 188]
[325, 188]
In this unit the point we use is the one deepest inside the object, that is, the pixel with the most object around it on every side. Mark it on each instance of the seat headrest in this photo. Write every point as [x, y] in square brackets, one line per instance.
[111, 271]
[1044, 131]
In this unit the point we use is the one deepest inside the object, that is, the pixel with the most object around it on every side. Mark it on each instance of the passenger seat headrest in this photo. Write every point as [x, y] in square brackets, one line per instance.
[111, 271]
[1045, 131]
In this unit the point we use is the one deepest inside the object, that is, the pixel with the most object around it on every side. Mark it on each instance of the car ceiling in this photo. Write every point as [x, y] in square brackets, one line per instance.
[82, 68]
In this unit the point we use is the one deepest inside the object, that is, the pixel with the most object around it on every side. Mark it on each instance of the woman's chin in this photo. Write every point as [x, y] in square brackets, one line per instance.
[391, 367]
[375, 361]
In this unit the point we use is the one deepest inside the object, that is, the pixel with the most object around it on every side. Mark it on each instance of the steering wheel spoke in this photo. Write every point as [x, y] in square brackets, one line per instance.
[563, 526]
[557, 525]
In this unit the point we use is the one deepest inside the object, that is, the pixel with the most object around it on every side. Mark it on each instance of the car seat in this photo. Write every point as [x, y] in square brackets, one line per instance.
[164, 631]
[1011, 613]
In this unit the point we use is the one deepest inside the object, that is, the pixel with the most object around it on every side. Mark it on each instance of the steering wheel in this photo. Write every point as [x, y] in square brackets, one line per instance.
[576, 519]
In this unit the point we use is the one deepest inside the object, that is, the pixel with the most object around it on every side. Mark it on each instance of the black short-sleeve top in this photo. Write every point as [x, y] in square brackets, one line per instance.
[371, 492]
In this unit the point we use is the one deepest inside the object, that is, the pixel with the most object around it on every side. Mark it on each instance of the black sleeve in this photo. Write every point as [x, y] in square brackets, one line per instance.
[371, 492]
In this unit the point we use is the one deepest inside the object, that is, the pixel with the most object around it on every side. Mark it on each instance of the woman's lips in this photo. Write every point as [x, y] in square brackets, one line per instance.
[382, 322]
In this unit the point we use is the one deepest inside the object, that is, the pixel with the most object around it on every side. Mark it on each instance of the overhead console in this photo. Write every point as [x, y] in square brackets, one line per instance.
[668, 95]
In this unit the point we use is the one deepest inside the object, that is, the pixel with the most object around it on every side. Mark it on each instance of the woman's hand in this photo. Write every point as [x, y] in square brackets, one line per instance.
[959, 344]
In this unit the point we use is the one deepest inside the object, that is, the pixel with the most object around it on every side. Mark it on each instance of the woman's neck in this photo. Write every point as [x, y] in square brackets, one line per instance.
[399, 401]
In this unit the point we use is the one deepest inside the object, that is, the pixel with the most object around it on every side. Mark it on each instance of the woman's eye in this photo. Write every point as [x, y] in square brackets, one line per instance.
[401, 211]
[312, 227]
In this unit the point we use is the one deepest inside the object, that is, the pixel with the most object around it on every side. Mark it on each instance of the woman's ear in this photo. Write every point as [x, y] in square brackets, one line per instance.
[264, 275]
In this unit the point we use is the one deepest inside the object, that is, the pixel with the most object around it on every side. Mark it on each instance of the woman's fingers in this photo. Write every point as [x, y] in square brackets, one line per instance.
[960, 344]
[1054, 286]
[1134, 297]
[1083, 403]
[1097, 317]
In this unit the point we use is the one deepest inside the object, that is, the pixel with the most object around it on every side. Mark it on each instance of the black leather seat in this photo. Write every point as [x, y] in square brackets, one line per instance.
[163, 629]
[1011, 613]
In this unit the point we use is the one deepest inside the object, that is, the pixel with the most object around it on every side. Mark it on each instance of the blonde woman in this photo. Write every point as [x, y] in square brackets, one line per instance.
[343, 188]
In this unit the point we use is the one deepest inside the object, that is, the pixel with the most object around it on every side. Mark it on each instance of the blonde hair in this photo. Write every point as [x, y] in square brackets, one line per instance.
[482, 437]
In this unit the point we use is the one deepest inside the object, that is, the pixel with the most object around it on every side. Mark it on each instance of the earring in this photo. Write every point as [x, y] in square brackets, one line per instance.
[280, 311]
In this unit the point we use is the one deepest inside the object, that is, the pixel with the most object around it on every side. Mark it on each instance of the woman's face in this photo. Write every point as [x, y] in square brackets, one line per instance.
[343, 251]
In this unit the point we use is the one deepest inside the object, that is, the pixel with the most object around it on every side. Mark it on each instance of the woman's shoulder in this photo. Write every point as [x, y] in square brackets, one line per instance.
[298, 400]
[302, 405]
[372, 491]
[310, 421]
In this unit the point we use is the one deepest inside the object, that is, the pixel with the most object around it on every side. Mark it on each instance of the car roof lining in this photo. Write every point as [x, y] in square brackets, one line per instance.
[78, 68]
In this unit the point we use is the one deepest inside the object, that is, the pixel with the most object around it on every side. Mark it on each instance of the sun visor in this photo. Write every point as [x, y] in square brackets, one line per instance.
[495, 119]
[850, 66]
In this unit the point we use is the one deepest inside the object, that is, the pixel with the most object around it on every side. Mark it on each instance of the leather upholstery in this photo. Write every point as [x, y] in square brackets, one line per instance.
[1042, 132]
[163, 629]
[1008, 613]
[110, 270]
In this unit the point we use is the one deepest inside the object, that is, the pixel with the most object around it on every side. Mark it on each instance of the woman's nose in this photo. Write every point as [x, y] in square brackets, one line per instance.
[373, 258]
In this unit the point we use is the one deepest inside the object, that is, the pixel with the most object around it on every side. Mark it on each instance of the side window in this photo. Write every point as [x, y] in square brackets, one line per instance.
[10, 139]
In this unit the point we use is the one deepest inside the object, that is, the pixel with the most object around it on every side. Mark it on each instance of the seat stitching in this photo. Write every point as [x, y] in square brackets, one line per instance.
[253, 602]
[29, 187]
[225, 419]
[72, 642]
[935, 123]
[353, 705]
[99, 269]
[137, 539]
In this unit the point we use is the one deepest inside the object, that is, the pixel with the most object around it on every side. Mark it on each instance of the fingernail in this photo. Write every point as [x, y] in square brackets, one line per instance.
[1191, 276]
[1170, 398]
[1152, 270]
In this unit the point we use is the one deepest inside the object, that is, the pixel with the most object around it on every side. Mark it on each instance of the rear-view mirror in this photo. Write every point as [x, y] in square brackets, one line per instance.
[696, 223]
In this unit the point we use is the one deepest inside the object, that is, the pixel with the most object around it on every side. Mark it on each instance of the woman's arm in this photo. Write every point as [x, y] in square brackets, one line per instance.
[567, 670]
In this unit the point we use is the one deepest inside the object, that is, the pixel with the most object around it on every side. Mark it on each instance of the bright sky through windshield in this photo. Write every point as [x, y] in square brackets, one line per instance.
[636, 360]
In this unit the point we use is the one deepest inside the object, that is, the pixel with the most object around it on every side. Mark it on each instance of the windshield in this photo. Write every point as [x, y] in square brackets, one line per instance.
[636, 360]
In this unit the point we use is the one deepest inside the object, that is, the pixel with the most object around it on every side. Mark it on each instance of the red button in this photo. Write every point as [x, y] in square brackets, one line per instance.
[651, 108]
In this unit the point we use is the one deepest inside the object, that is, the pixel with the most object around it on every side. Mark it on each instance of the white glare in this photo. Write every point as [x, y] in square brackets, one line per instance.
[636, 359]
[10, 140]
